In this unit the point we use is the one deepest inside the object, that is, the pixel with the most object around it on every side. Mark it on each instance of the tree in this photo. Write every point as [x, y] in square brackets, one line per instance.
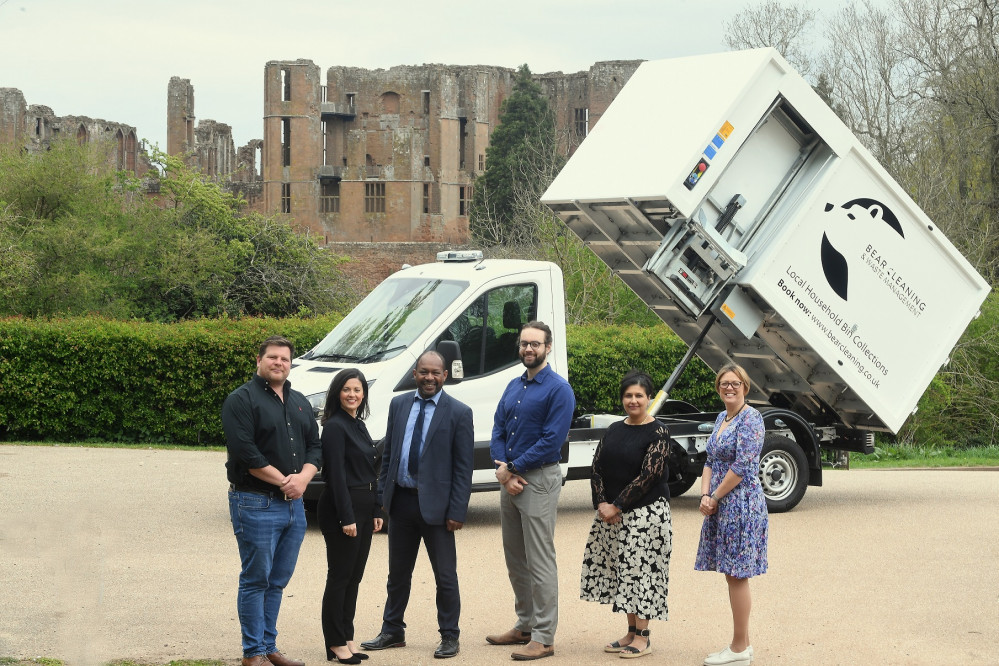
[521, 154]
[77, 237]
[784, 27]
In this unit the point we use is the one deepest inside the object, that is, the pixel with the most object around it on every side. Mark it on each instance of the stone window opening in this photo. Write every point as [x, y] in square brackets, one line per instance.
[285, 197]
[482, 162]
[130, 151]
[581, 122]
[426, 160]
[325, 131]
[350, 100]
[462, 133]
[390, 103]
[286, 141]
[329, 196]
[374, 197]
[38, 126]
[426, 102]
[426, 198]
[82, 136]
[464, 199]
[285, 85]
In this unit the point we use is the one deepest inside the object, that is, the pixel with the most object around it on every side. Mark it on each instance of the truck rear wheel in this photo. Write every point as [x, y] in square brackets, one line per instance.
[783, 473]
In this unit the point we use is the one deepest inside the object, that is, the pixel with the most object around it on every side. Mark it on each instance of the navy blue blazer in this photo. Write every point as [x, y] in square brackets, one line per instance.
[444, 481]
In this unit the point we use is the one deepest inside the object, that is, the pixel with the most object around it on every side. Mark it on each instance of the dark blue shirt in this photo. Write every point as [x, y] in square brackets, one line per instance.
[532, 420]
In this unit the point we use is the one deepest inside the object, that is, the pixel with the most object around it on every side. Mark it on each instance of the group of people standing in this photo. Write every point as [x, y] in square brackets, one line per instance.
[422, 483]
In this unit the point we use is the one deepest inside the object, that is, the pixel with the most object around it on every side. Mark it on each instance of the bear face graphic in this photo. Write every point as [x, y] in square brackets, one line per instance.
[856, 211]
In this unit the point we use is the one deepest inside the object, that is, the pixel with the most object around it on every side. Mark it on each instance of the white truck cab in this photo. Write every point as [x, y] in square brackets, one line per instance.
[478, 303]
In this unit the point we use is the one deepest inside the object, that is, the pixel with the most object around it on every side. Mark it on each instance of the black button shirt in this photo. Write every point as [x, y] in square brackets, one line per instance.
[261, 430]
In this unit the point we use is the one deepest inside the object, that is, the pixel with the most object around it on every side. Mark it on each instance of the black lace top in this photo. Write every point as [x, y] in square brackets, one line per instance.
[629, 466]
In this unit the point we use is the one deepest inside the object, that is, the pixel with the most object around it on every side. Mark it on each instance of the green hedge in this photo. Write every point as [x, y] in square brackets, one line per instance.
[600, 356]
[92, 379]
[81, 379]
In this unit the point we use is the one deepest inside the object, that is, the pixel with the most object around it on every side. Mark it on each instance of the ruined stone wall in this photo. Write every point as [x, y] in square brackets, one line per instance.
[215, 153]
[35, 127]
[13, 116]
[414, 136]
[292, 149]
[180, 116]
[370, 263]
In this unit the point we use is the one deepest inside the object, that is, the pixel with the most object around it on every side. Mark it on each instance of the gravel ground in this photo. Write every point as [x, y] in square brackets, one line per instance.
[109, 554]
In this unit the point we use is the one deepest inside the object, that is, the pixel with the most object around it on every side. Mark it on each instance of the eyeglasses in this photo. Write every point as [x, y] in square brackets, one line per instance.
[533, 344]
[735, 385]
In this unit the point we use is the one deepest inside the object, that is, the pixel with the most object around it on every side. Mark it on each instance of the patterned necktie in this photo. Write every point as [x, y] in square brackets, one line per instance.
[417, 441]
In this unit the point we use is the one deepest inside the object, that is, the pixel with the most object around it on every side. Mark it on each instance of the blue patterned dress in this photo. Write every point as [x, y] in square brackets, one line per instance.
[734, 539]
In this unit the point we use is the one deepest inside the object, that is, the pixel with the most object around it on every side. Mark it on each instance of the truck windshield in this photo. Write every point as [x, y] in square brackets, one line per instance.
[388, 320]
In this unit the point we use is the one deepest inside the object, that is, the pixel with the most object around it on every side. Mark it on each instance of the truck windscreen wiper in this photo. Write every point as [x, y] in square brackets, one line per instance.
[332, 357]
[383, 352]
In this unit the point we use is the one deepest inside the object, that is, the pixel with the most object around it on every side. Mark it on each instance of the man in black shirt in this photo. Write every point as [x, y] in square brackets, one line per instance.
[274, 451]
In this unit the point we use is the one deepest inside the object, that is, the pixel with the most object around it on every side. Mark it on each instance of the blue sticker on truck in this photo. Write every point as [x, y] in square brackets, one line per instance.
[709, 153]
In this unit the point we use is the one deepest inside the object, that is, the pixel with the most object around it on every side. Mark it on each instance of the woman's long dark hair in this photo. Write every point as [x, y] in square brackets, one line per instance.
[333, 394]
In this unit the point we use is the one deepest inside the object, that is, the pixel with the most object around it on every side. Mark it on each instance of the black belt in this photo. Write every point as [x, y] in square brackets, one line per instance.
[273, 494]
[543, 466]
[368, 486]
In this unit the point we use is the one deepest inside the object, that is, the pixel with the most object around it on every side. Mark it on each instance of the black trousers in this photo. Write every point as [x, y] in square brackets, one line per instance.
[346, 558]
[406, 529]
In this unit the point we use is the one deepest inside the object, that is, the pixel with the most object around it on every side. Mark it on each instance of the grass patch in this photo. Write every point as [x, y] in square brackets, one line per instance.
[46, 661]
[915, 456]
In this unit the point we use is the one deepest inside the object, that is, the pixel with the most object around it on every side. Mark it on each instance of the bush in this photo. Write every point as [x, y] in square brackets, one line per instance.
[79, 379]
[599, 357]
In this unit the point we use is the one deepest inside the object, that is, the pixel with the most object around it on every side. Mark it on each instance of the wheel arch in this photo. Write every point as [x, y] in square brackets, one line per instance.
[803, 435]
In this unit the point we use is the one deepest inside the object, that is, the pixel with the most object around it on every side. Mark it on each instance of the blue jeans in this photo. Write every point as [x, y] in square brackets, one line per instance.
[269, 533]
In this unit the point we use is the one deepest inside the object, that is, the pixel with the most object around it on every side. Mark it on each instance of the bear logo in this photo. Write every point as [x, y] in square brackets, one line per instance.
[834, 264]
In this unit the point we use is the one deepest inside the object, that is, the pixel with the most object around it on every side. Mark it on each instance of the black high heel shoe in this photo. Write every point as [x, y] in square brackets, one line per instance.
[361, 655]
[352, 659]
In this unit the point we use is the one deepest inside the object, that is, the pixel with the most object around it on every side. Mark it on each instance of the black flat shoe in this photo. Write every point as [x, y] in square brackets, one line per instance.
[383, 641]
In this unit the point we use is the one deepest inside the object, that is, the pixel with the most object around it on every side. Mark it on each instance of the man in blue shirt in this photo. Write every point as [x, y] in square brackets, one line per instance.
[531, 423]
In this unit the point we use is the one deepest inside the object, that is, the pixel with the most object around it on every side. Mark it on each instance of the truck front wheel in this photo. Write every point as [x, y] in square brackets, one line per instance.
[783, 473]
[680, 483]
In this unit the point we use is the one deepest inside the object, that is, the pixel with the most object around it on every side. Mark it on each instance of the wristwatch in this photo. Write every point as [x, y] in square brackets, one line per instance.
[510, 468]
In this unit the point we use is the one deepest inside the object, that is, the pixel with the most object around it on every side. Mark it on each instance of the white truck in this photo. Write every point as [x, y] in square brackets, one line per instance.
[736, 204]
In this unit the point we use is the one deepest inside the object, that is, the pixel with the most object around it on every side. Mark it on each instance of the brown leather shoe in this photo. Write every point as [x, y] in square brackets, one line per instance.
[512, 637]
[279, 659]
[259, 660]
[534, 650]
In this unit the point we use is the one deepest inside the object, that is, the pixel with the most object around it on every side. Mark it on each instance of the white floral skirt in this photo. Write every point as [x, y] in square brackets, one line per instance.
[627, 564]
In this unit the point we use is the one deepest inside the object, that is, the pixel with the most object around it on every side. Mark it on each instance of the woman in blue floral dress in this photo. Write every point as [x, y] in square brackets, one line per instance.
[734, 534]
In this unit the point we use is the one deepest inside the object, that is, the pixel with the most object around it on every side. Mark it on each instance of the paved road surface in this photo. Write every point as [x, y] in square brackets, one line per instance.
[108, 554]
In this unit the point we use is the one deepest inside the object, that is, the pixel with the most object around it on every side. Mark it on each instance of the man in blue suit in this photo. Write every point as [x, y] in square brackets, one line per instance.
[425, 483]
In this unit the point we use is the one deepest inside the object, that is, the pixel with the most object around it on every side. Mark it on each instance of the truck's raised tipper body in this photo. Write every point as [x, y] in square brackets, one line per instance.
[736, 204]
[722, 188]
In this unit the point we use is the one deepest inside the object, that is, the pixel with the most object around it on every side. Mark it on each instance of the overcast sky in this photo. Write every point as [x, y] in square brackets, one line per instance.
[113, 59]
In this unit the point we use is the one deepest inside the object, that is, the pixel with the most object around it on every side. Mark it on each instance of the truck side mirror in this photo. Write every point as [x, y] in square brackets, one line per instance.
[451, 352]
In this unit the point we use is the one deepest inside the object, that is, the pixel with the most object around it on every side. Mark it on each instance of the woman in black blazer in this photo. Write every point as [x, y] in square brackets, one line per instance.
[348, 511]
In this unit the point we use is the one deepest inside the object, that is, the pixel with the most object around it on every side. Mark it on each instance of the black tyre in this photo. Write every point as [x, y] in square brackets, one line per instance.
[679, 484]
[783, 473]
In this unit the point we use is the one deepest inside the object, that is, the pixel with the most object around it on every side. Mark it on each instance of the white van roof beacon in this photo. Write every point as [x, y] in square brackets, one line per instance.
[460, 255]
